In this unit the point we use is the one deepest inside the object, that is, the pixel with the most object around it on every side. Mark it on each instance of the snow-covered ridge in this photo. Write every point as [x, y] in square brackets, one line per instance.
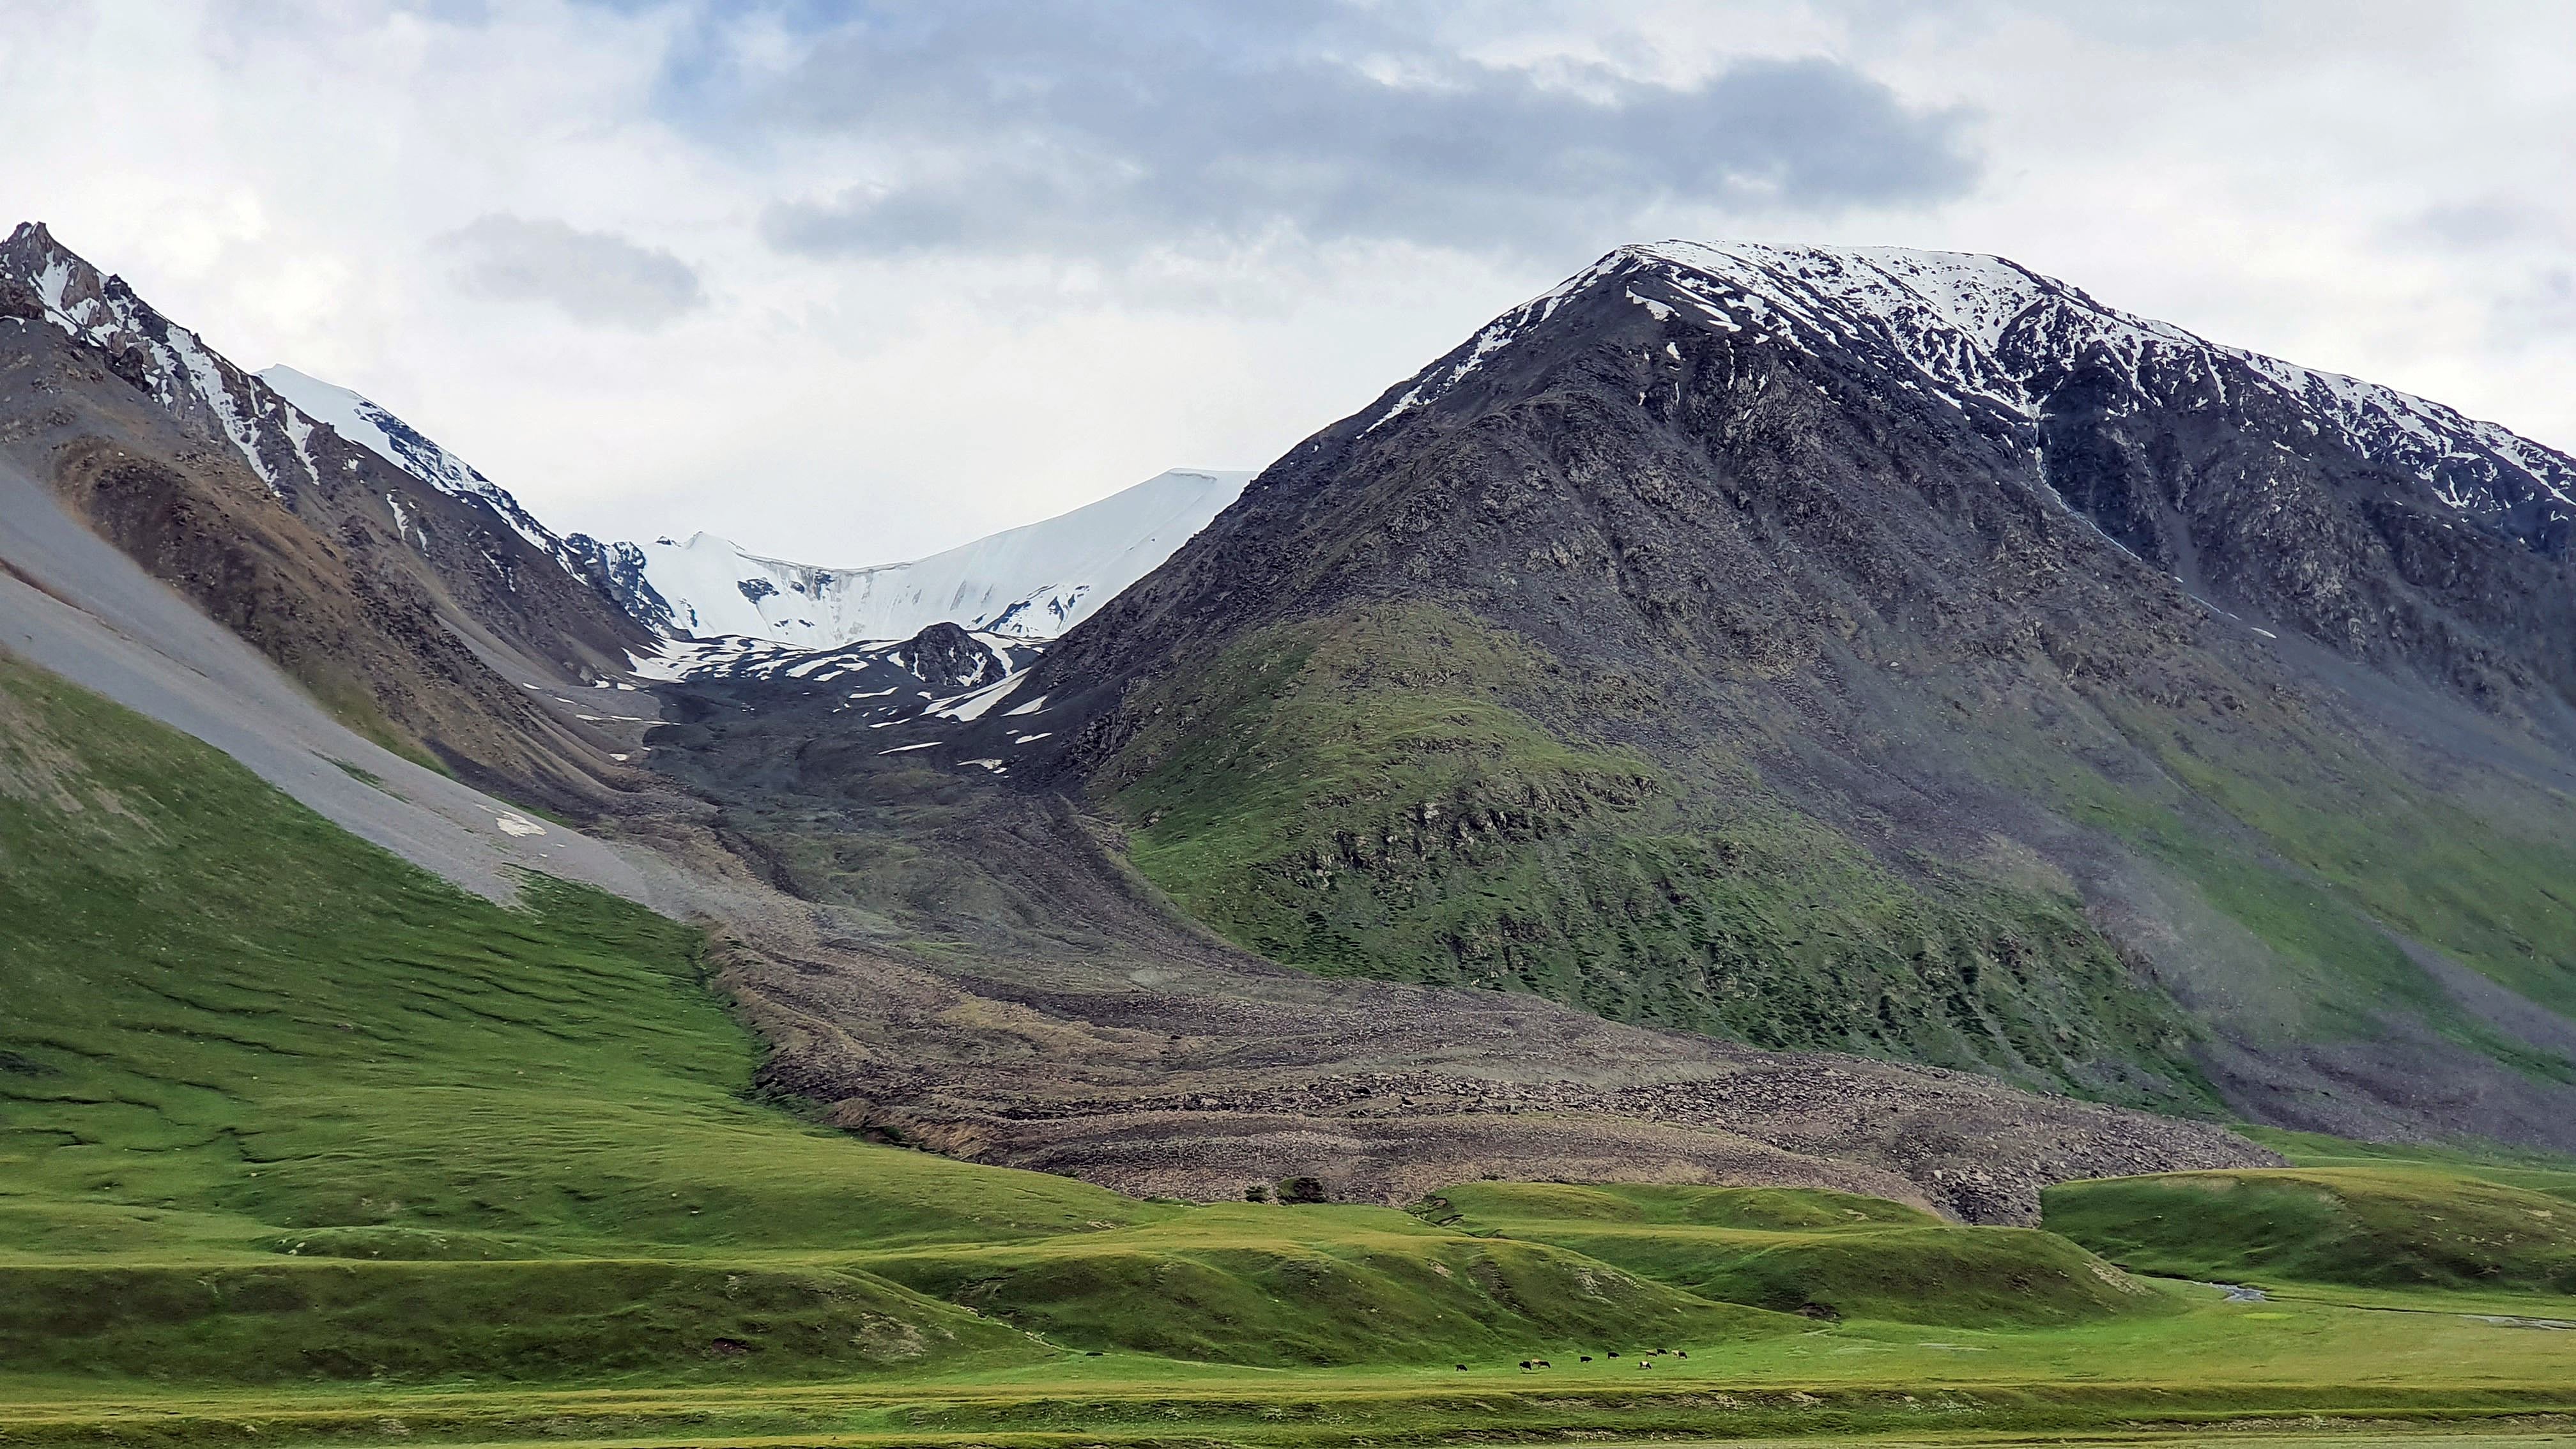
[1031, 582]
[157, 355]
[363, 421]
[269, 416]
[1981, 331]
[1026, 583]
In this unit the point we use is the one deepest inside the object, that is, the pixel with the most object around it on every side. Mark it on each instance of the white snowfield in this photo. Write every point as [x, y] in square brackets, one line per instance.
[1031, 582]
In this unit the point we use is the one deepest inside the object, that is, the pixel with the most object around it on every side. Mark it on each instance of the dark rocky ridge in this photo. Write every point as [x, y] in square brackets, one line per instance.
[1829, 455]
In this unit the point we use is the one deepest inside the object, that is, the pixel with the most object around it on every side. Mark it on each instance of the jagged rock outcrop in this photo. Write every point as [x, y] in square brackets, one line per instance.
[948, 659]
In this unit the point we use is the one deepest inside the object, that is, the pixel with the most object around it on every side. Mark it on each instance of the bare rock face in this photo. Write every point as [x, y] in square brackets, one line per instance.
[948, 659]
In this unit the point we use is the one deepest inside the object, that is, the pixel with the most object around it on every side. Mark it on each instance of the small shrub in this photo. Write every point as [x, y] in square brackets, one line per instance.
[1301, 1190]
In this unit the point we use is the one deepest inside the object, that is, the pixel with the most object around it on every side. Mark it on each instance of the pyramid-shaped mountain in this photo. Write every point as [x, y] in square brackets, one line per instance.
[1890, 651]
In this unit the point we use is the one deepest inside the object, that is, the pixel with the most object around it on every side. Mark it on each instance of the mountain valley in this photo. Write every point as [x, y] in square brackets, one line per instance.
[1773, 801]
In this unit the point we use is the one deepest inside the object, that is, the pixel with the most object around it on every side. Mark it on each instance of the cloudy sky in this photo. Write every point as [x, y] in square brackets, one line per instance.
[848, 282]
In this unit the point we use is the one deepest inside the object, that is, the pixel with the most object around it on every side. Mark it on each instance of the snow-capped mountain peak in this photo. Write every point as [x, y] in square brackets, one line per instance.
[1990, 336]
[1032, 582]
[168, 362]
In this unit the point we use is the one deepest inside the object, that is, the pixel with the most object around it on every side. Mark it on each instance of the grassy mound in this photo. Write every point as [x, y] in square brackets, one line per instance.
[1485, 1206]
[2535, 1168]
[1826, 1254]
[263, 1323]
[2396, 1226]
[1284, 1286]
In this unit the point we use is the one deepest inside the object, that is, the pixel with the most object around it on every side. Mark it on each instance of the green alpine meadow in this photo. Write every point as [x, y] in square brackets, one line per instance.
[298, 1136]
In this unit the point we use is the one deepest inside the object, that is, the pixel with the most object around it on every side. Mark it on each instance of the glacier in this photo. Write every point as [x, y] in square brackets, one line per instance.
[1031, 582]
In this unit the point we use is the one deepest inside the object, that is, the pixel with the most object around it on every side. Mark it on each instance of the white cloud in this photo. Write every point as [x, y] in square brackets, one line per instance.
[594, 277]
[2301, 177]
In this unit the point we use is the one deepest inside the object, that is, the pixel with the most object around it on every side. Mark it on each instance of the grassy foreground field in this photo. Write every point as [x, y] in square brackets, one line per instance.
[297, 1144]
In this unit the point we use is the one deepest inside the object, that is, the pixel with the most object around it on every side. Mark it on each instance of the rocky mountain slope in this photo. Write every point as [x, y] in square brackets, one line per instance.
[1893, 652]
[955, 965]
[419, 610]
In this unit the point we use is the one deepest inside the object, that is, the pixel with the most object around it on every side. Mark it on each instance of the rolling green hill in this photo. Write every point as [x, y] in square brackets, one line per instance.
[2393, 1225]
[1823, 1254]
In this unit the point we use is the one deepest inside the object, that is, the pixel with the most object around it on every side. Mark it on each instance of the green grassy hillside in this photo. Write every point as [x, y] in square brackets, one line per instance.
[2394, 1225]
[298, 1144]
[235, 1036]
[1823, 1254]
[1287, 1286]
[2535, 1168]
[1354, 795]
[1398, 790]
[273, 1104]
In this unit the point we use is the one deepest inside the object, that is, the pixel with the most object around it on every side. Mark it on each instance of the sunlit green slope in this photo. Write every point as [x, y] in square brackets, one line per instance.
[278, 1104]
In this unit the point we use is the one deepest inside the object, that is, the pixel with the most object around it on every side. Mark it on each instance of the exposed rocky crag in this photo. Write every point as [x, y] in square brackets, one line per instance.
[948, 658]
